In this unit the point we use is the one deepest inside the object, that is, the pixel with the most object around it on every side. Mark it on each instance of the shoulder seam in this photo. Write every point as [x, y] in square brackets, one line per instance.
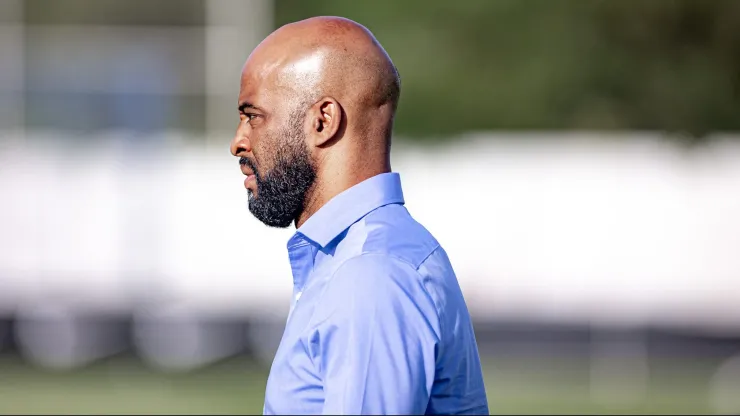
[396, 257]
[416, 272]
[432, 251]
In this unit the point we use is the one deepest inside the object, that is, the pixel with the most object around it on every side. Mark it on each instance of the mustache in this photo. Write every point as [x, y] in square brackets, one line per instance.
[248, 163]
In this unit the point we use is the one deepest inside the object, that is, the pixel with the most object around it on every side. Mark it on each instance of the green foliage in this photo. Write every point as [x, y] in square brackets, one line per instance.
[671, 65]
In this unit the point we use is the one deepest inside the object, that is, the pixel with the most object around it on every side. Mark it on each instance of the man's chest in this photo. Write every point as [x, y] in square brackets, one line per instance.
[294, 385]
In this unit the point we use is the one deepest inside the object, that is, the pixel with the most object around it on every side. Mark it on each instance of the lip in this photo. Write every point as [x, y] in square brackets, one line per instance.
[249, 180]
[246, 171]
[250, 177]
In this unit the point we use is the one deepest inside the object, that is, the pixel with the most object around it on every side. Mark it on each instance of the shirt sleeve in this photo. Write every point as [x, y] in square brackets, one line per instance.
[375, 348]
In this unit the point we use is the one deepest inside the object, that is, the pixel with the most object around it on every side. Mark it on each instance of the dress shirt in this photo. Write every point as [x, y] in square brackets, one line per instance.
[377, 323]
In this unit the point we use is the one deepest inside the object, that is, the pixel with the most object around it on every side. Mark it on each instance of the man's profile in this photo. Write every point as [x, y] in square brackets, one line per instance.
[378, 324]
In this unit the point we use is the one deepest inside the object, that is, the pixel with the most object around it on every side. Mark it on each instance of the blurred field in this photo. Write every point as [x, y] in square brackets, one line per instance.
[516, 385]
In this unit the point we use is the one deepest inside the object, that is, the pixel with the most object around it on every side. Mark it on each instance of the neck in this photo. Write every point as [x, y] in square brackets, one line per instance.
[324, 190]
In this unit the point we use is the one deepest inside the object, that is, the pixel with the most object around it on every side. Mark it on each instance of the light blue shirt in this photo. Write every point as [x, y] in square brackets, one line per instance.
[378, 324]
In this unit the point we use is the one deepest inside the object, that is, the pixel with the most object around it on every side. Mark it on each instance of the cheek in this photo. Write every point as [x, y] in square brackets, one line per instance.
[262, 149]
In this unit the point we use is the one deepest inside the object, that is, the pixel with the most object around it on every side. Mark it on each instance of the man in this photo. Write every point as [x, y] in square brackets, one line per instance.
[378, 323]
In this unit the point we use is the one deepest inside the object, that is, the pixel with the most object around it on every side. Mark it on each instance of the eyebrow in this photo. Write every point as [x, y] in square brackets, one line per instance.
[245, 105]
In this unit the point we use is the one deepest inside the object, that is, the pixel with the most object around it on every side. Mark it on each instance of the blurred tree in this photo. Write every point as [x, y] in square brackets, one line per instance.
[670, 65]
[678, 63]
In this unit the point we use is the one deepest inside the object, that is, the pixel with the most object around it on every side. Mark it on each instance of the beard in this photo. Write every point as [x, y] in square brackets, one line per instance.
[281, 191]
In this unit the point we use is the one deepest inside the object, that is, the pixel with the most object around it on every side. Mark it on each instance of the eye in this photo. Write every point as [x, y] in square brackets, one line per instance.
[248, 116]
[251, 118]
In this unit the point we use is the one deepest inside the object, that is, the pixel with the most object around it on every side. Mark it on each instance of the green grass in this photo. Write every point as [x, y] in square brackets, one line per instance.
[516, 385]
[123, 385]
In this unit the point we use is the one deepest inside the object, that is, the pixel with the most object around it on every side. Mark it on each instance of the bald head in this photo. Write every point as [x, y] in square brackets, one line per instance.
[351, 62]
[323, 89]
[330, 56]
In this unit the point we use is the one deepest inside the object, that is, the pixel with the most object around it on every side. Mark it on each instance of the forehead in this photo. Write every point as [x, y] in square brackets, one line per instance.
[257, 84]
[277, 75]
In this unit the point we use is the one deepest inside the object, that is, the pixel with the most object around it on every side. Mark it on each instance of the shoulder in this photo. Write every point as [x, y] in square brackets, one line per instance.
[392, 232]
[372, 285]
[372, 272]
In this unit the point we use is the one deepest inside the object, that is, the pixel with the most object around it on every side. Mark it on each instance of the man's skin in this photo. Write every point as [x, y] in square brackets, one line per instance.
[333, 69]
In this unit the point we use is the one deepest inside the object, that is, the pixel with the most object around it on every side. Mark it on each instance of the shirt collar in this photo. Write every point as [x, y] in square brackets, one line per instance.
[351, 205]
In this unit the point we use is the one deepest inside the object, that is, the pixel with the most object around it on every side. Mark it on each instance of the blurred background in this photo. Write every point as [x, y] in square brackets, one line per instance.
[579, 160]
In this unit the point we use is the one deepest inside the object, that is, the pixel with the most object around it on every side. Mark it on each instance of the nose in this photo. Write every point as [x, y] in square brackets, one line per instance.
[240, 144]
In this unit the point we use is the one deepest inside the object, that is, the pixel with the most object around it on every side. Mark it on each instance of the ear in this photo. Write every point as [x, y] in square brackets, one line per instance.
[326, 118]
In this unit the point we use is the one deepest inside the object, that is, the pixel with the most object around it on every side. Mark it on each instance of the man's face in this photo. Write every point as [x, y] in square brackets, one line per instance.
[271, 144]
[282, 175]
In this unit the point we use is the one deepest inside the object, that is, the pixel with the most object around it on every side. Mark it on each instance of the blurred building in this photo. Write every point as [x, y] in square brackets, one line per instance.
[83, 66]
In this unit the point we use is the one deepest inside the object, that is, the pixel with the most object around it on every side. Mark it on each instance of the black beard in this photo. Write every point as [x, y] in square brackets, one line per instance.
[281, 192]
